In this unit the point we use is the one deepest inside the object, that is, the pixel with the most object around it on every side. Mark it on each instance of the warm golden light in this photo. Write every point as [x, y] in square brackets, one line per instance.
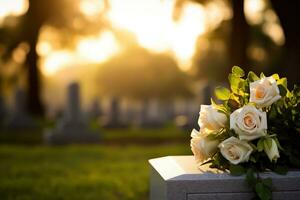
[88, 50]
[12, 7]
[97, 49]
[153, 25]
[151, 22]
[56, 60]
[91, 7]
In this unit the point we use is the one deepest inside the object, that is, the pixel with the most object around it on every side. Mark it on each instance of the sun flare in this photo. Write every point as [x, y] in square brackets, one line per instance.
[152, 24]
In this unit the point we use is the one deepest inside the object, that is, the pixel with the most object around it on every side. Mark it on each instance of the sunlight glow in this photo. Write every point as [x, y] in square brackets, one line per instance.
[12, 7]
[254, 10]
[98, 49]
[151, 22]
[91, 7]
[88, 50]
[153, 25]
[54, 61]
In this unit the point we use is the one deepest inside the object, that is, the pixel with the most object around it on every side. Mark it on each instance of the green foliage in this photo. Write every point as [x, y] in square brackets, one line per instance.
[263, 190]
[237, 71]
[283, 118]
[236, 170]
[222, 93]
[79, 172]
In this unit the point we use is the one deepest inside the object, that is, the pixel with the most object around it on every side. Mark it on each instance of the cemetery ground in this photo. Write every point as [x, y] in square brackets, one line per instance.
[117, 168]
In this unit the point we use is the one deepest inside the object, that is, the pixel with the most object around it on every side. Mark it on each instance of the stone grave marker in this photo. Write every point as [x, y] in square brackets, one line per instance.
[151, 115]
[113, 119]
[2, 111]
[20, 118]
[72, 128]
[179, 178]
[95, 110]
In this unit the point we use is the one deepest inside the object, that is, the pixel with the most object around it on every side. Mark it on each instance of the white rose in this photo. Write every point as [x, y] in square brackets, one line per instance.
[235, 151]
[272, 151]
[264, 92]
[210, 118]
[249, 123]
[202, 147]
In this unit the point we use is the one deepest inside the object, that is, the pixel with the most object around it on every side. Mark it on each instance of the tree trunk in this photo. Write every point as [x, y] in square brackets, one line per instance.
[34, 103]
[288, 13]
[239, 36]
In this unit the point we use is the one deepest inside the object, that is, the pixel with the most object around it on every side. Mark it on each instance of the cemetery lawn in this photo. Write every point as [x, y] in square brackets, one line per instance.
[79, 172]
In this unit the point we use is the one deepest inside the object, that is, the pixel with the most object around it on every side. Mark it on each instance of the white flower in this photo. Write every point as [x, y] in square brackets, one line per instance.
[271, 151]
[202, 147]
[210, 118]
[249, 123]
[264, 92]
[235, 151]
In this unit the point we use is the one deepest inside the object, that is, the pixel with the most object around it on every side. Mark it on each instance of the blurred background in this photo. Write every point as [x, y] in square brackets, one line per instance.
[92, 89]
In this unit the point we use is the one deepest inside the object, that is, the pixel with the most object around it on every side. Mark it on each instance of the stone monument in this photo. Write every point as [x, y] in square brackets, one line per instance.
[20, 118]
[179, 178]
[95, 110]
[151, 115]
[113, 119]
[72, 128]
[2, 111]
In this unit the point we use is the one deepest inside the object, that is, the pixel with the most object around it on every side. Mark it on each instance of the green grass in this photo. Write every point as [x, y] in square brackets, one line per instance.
[167, 134]
[115, 169]
[79, 172]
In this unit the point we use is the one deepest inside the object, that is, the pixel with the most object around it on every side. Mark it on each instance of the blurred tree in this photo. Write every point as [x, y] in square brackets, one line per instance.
[288, 13]
[139, 74]
[60, 13]
[27, 31]
[239, 36]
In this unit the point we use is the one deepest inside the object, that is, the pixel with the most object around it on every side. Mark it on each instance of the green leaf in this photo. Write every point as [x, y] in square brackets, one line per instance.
[253, 159]
[260, 145]
[236, 170]
[222, 93]
[263, 191]
[237, 71]
[282, 90]
[252, 76]
[262, 75]
[276, 77]
[267, 182]
[267, 144]
[250, 177]
[234, 82]
[283, 82]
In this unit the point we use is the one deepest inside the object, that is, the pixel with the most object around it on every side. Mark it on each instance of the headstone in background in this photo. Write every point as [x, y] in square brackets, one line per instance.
[95, 110]
[179, 178]
[2, 111]
[207, 94]
[20, 118]
[151, 115]
[186, 119]
[73, 127]
[113, 119]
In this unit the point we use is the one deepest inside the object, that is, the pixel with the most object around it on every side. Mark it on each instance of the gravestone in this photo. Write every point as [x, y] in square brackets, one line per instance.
[2, 111]
[187, 118]
[207, 93]
[20, 118]
[151, 115]
[72, 128]
[95, 110]
[113, 119]
[179, 178]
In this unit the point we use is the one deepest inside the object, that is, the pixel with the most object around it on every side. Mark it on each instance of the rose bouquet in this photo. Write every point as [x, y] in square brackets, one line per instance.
[254, 127]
